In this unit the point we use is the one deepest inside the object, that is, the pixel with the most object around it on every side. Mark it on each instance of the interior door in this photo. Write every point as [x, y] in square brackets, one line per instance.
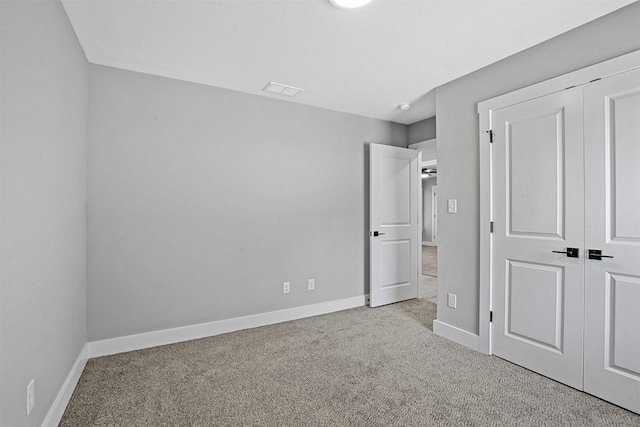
[393, 220]
[538, 212]
[612, 288]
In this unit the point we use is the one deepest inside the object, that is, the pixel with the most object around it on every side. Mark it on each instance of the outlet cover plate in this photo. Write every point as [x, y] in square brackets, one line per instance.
[452, 300]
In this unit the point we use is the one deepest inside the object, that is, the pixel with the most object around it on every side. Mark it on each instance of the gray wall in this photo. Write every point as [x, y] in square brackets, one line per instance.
[458, 158]
[42, 214]
[422, 130]
[202, 201]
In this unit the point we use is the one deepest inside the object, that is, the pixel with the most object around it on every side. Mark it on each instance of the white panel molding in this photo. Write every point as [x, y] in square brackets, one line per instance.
[485, 110]
[203, 330]
[56, 411]
[457, 335]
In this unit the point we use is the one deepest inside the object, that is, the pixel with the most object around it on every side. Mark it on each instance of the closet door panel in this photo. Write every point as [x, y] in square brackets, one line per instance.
[612, 219]
[538, 201]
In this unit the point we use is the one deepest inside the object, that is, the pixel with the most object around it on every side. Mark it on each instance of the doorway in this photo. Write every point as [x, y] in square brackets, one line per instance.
[429, 265]
[428, 253]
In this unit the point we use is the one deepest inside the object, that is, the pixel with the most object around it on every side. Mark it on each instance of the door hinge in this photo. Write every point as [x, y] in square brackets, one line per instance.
[491, 227]
[490, 132]
[490, 316]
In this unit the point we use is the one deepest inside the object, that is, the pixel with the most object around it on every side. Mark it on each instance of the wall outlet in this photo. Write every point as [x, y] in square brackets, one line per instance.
[311, 285]
[452, 300]
[286, 287]
[31, 396]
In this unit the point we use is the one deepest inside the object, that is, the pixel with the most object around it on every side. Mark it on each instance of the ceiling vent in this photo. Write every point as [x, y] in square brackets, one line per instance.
[281, 89]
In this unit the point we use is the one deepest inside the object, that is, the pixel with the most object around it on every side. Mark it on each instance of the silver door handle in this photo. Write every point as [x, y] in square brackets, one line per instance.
[377, 233]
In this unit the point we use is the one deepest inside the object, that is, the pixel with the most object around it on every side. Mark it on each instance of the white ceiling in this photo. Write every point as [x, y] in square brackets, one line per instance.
[364, 61]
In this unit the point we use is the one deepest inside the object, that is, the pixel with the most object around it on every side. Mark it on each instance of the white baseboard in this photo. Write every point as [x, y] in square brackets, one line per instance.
[429, 243]
[203, 330]
[56, 411]
[458, 335]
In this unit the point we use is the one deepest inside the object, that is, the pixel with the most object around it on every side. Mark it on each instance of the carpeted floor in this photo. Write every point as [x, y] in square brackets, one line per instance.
[430, 260]
[359, 367]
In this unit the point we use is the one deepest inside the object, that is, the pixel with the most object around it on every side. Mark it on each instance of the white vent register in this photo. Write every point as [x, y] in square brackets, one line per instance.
[281, 89]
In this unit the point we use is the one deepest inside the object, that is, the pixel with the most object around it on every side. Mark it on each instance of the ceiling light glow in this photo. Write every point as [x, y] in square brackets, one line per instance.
[349, 4]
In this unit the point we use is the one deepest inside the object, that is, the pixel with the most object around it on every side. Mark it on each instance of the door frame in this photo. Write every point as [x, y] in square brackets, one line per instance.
[426, 146]
[434, 215]
[580, 77]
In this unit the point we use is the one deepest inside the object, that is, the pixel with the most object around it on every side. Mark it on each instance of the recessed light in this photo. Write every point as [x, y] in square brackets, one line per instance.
[349, 4]
[404, 106]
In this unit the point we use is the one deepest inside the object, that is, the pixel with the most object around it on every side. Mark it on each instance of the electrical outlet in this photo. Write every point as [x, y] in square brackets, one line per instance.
[286, 287]
[452, 300]
[311, 284]
[31, 396]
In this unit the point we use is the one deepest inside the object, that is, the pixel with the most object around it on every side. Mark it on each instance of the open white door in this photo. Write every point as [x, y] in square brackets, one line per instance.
[393, 210]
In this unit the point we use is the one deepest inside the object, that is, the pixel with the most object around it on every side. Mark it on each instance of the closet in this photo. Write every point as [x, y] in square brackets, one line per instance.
[564, 260]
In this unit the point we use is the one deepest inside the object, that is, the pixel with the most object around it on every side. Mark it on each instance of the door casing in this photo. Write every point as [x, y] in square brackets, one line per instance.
[434, 215]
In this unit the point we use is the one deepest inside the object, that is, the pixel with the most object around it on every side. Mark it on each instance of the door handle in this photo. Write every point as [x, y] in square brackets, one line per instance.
[597, 254]
[570, 252]
[377, 233]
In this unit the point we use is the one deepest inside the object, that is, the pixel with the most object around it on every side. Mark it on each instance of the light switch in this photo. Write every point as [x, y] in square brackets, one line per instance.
[452, 206]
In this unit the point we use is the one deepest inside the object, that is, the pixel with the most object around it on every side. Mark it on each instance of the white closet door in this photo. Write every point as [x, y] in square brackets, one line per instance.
[612, 289]
[538, 207]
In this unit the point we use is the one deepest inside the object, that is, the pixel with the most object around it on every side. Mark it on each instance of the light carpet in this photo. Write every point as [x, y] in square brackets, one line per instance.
[359, 367]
